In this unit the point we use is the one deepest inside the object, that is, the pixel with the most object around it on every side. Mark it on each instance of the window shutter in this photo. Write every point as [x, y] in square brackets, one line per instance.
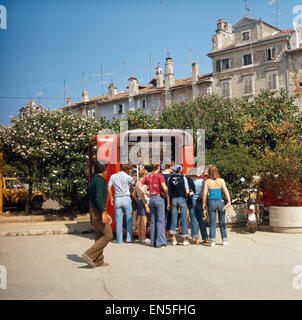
[274, 53]
[123, 108]
[115, 109]
[218, 66]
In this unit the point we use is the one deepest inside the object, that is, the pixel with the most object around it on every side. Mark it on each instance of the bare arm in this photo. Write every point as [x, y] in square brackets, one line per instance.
[226, 193]
[204, 196]
[110, 195]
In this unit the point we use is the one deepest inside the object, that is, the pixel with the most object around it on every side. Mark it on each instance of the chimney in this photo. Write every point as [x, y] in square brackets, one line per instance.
[85, 97]
[68, 101]
[169, 76]
[195, 71]
[220, 25]
[112, 91]
[159, 76]
[228, 27]
[133, 86]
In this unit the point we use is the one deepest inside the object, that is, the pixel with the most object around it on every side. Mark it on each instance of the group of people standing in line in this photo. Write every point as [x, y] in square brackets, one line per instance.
[162, 196]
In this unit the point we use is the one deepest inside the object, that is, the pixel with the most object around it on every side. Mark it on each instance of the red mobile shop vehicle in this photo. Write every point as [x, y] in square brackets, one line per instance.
[134, 147]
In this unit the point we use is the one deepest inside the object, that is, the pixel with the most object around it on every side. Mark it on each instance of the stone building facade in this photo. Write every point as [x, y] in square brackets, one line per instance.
[162, 92]
[254, 55]
[247, 57]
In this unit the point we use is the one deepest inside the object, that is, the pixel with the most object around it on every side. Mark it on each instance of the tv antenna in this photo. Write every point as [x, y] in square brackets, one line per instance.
[277, 10]
[84, 80]
[28, 94]
[102, 75]
[246, 9]
[39, 94]
[125, 73]
[167, 50]
[64, 92]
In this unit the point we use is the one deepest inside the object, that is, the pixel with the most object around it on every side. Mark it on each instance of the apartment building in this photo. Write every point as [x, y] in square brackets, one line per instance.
[160, 93]
[254, 55]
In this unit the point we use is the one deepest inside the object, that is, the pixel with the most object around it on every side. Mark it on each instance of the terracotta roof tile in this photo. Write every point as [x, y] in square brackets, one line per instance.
[143, 90]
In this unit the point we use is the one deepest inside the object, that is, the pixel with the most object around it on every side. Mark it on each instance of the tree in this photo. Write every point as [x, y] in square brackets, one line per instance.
[52, 148]
[220, 118]
[234, 162]
[269, 119]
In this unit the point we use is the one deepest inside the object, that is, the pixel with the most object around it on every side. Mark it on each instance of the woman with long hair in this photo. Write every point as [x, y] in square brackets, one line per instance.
[212, 198]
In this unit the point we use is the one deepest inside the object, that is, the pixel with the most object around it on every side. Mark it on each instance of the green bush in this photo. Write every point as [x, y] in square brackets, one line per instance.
[233, 163]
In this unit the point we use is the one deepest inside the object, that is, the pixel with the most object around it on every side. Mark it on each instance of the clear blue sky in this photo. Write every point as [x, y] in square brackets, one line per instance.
[47, 42]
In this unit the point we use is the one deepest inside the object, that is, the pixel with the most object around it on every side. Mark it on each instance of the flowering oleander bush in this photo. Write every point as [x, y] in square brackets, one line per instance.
[281, 172]
[52, 148]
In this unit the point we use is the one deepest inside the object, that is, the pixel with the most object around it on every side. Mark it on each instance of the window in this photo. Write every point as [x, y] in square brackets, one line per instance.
[120, 109]
[181, 98]
[208, 91]
[144, 104]
[138, 104]
[226, 88]
[248, 85]
[246, 35]
[272, 80]
[156, 103]
[247, 59]
[218, 65]
[225, 64]
[91, 113]
[271, 54]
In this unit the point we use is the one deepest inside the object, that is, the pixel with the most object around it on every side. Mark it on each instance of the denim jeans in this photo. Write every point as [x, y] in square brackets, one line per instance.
[182, 204]
[123, 204]
[141, 210]
[157, 221]
[196, 217]
[218, 205]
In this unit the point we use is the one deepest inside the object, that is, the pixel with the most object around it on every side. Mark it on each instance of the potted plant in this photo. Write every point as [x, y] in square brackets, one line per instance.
[281, 184]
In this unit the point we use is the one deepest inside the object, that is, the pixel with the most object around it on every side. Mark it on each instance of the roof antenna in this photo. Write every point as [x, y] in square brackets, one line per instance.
[101, 75]
[277, 9]
[246, 9]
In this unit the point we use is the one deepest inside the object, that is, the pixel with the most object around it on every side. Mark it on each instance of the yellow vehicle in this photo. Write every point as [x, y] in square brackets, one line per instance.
[15, 194]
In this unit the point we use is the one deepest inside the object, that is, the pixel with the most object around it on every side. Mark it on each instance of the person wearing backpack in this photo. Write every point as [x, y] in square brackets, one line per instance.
[178, 191]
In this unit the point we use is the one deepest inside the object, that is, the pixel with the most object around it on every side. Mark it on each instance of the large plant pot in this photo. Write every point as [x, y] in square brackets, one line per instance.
[286, 219]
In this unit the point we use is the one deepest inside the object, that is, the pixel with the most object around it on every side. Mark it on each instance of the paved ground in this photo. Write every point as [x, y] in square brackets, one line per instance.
[253, 266]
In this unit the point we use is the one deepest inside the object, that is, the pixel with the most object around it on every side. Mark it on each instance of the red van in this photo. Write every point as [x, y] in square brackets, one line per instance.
[164, 144]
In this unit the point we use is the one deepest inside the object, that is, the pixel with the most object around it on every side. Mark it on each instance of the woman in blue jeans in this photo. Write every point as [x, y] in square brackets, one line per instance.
[156, 182]
[212, 198]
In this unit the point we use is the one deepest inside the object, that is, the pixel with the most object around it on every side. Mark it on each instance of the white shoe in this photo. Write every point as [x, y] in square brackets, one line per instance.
[174, 243]
[225, 243]
[146, 241]
[185, 243]
[212, 244]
